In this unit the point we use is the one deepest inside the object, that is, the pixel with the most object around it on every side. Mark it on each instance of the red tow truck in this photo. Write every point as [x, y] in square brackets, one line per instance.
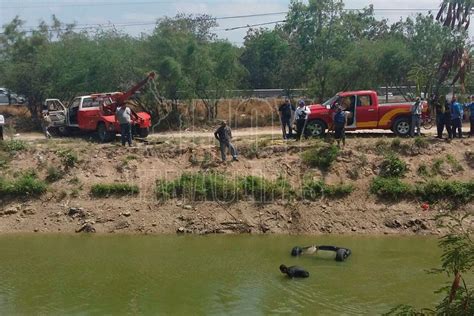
[366, 113]
[96, 112]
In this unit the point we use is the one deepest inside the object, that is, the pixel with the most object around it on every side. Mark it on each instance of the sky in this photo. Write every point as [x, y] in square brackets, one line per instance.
[146, 12]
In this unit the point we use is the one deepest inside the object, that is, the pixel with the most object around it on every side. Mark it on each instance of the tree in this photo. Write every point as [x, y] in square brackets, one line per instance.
[264, 51]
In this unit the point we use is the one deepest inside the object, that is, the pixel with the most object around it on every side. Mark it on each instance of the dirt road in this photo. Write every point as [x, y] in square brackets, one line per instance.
[241, 132]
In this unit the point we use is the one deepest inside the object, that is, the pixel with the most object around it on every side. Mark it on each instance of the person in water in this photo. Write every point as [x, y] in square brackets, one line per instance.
[294, 271]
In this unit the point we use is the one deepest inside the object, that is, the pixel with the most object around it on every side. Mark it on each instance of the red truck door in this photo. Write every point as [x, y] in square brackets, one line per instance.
[366, 111]
[89, 114]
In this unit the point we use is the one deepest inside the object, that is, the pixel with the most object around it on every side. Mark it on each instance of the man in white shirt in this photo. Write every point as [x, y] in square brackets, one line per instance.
[301, 115]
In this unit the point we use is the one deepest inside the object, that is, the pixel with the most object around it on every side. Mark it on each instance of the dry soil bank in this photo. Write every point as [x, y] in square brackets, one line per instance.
[68, 205]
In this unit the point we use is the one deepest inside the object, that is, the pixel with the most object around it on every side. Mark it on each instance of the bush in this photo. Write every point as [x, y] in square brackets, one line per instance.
[313, 190]
[68, 157]
[421, 142]
[423, 170]
[454, 163]
[106, 189]
[393, 188]
[213, 186]
[263, 190]
[25, 185]
[321, 158]
[381, 146]
[54, 174]
[392, 166]
[13, 145]
[459, 192]
[390, 188]
[437, 166]
[198, 186]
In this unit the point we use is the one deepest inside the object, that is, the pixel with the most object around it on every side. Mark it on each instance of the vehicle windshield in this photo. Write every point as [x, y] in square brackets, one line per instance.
[331, 101]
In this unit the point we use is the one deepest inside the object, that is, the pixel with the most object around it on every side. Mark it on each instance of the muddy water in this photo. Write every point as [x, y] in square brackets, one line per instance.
[236, 275]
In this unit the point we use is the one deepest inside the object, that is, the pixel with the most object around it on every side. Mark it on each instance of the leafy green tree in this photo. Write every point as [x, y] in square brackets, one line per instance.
[262, 57]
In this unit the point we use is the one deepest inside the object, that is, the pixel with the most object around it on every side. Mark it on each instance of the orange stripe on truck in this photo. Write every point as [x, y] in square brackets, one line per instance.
[366, 124]
[387, 117]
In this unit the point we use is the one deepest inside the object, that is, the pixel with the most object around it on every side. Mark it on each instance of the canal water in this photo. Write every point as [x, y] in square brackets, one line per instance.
[211, 275]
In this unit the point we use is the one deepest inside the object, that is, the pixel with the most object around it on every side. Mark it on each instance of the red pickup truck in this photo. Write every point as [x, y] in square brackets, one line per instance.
[366, 111]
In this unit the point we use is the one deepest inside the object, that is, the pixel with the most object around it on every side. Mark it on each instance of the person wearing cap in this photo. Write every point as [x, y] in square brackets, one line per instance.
[416, 111]
[286, 110]
[470, 108]
[224, 135]
[340, 123]
[301, 115]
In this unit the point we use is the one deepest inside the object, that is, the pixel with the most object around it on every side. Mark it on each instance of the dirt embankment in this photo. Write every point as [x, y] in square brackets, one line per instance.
[68, 205]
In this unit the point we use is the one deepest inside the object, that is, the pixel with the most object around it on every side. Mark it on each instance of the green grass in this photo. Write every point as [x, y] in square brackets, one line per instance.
[321, 158]
[421, 142]
[432, 191]
[212, 186]
[54, 174]
[390, 188]
[437, 166]
[392, 166]
[423, 170]
[68, 157]
[107, 189]
[454, 163]
[199, 186]
[25, 185]
[315, 189]
[13, 145]
[459, 192]
[264, 190]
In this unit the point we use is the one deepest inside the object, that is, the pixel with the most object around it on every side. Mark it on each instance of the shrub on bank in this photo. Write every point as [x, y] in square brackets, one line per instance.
[23, 186]
[432, 191]
[456, 191]
[53, 174]
[315, 189]
[321, 158]
[390, 188]
[264, 190]
[212, 186]
[393, 167]
[198, 186]
[68, 157]
[107, 189]
[13, 145]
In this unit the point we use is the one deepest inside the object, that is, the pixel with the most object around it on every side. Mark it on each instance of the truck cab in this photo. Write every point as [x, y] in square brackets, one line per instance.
[365, 113]
[92, 113]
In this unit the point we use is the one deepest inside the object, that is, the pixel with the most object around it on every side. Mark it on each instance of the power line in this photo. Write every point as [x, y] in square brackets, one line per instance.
[248, 26]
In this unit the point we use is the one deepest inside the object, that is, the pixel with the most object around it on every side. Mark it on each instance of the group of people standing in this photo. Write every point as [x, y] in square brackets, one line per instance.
[449, 116]
[301, 117]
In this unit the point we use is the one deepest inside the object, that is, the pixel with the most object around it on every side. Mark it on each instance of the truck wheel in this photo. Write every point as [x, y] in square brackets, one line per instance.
[144, 132]
[316, 128]
[402, 126]
[342, 254]
[104, 135]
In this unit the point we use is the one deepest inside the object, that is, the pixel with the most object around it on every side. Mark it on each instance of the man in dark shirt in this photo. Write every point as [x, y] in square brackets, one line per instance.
[224, 135]
[294, 271]
[286, 110]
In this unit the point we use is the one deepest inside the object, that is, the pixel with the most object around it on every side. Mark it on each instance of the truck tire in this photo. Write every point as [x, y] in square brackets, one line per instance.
[342, 254]
[144, 132]
[103, 134]
[402, 126]
[316, 128]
